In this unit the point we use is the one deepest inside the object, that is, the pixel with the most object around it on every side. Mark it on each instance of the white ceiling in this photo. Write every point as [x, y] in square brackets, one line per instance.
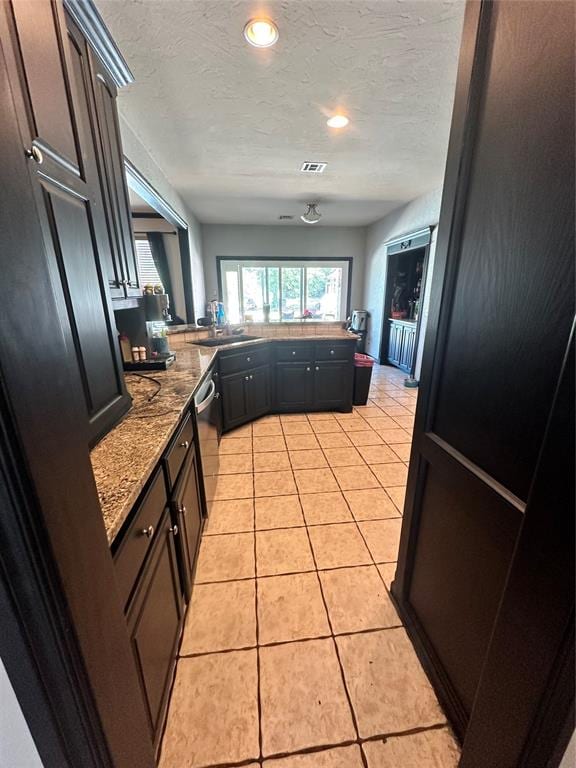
[230, 125]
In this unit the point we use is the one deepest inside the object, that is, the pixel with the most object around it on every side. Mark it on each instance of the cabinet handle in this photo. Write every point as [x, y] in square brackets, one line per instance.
[248, 359]
[246, 378]
[307, 369]
[251, 377]
[148, 532]
[174, 530]
[182, 509]
[35, 154]
[317, 368]
[293, 351]
[185, 444]
[331, 351]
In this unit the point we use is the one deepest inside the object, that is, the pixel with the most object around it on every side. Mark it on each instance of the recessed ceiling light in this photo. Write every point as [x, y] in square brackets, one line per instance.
[261, 33]
[337, 121]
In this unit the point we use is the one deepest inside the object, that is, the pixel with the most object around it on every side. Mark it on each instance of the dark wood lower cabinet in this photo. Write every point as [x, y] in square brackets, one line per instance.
[402, 344]
[187, 516]
[154, 622]
[234, 402]
[333, 383]
[245, 396]
[294, 386]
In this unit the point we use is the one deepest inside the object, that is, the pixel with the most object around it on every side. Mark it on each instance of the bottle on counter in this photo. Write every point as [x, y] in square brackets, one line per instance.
[142, 354]
[135, 354]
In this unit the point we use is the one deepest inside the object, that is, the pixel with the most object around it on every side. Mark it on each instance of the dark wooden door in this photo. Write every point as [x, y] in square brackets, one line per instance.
[154, 622]
[58, 128]
[187, 515]
[122, 269]
[235, 409]
[259, 391]
[501, 313]
[294, 386]
[333, 385]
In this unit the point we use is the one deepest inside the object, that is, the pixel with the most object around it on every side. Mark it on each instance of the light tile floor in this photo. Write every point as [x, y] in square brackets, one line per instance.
[293, 655]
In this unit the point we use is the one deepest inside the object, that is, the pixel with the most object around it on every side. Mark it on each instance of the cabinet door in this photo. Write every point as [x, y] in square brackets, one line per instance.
[187, 515]
[234, 400]
[154, 621]
[294, 386]
[56, 119]
[333, 385]
[394, 343]
[259, 391]
[122, 272]
[407, 349]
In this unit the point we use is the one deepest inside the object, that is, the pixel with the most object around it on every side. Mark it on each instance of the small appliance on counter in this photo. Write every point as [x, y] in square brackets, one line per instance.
[358, 324]
[156, 355]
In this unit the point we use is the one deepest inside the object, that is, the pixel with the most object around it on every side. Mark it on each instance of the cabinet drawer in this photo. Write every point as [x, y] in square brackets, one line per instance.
[136, 542]
[242, 361]
[295, 353]
[175, 455]
[336, 351]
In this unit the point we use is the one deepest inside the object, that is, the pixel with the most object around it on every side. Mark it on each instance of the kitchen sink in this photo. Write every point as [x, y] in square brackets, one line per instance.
[221, 340]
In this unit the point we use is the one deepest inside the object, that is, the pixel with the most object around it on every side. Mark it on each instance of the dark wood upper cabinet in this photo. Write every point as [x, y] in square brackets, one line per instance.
[51, 59]
[121, 270]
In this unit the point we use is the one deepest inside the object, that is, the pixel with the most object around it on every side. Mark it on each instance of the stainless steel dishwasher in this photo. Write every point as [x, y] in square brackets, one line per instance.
[209, 421]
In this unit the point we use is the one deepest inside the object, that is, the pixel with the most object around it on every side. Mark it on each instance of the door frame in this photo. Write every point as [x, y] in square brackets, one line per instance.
[410, 242]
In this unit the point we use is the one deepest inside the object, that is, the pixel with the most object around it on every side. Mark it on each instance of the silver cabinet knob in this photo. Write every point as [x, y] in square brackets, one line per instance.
[307, 369]
[251, 377]
[293, 351]
[217, 395]
[331, 351]
[182, 509]
[247, 378]
[148, 532]
[248, 359]
[35, 154]
[317, 368]
[185, 444]
[174, 530]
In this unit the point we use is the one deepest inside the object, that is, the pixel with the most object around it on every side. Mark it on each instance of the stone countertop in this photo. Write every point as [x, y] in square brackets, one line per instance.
[125, 458]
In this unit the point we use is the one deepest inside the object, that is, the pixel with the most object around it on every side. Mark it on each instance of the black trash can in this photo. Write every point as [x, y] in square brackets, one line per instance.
[362, 376]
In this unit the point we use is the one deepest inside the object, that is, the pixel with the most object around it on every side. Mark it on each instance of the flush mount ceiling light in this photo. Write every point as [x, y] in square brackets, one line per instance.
[337, 121]
[311, 216]
[261, 33]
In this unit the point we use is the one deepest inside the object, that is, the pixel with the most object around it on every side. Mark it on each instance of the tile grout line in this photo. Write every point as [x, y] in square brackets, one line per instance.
[317, 571]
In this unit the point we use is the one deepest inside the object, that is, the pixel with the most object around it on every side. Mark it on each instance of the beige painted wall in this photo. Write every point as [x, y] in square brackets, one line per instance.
[306, 241]
[142, 157]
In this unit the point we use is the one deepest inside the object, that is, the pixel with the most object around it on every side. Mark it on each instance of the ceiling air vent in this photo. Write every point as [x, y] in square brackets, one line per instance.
[313, 167]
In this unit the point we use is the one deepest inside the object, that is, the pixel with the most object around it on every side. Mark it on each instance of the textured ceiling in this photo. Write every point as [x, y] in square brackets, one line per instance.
[230, 125]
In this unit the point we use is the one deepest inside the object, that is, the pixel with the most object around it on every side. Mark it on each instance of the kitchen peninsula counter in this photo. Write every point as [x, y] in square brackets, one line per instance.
[125, 458]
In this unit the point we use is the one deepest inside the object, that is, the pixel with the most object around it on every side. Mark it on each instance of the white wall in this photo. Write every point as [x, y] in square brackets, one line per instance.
[420, 213]
[17, 749]
[283, 241]
[142, 158]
